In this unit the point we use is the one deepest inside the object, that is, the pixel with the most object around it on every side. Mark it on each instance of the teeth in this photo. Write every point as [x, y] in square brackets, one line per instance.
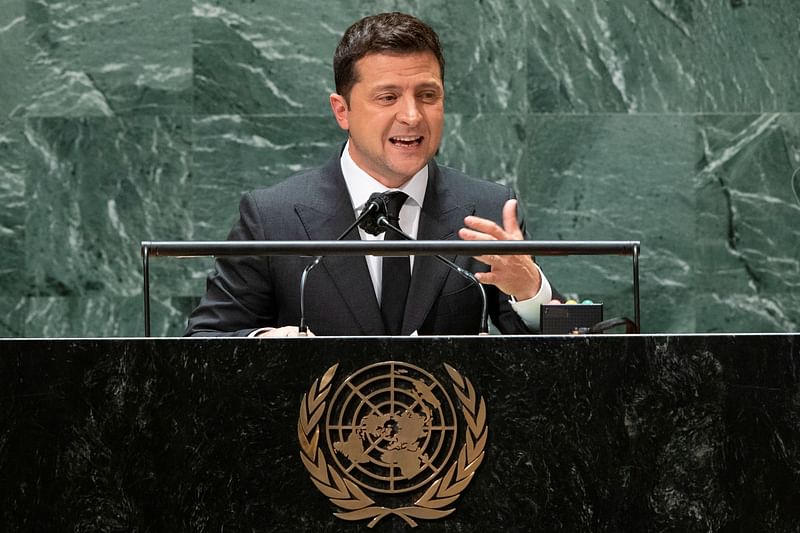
[406, 139]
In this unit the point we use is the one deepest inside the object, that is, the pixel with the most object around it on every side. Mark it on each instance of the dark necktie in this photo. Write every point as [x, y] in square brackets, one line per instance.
[396, 270]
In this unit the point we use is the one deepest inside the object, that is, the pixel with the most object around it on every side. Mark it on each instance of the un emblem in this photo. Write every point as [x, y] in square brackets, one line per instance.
[390, 431]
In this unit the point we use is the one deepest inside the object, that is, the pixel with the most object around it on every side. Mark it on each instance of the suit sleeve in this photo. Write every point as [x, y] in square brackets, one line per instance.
[239, 295]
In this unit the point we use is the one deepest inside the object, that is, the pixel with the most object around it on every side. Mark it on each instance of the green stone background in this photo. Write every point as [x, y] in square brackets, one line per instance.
[674, 122]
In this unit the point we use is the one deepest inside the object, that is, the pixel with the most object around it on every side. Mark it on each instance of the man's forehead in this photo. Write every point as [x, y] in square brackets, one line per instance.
[390, 62]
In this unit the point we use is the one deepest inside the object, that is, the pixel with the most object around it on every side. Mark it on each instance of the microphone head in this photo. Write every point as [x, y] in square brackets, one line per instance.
[374, 209]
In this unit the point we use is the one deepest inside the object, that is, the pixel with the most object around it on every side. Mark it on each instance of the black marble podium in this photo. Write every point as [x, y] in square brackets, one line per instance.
[604, 433]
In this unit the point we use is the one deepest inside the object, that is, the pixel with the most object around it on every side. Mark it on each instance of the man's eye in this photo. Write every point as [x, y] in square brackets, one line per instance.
[387, 98]
[429, 96]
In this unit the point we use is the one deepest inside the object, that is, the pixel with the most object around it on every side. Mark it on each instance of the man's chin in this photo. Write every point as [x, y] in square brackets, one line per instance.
[409, 163]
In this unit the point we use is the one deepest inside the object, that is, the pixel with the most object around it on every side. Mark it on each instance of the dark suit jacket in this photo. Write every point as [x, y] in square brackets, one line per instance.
[247, 293]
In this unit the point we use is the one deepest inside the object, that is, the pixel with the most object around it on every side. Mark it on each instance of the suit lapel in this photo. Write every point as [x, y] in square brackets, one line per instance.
[441, 218]
[325, 217]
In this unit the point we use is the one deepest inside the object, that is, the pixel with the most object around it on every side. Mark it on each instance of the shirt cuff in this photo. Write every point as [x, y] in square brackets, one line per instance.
[530, 309]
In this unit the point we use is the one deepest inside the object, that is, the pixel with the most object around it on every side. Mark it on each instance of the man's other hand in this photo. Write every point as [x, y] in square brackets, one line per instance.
[285, 331]
[516, 275]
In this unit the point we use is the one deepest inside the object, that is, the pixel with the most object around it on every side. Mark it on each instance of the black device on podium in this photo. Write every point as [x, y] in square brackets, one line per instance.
[569, 319]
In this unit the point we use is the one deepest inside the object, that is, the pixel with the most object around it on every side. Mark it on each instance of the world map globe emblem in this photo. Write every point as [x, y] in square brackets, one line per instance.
[391, 427]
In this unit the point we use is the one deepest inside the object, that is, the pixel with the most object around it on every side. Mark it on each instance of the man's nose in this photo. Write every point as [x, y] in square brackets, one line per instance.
[409, 112]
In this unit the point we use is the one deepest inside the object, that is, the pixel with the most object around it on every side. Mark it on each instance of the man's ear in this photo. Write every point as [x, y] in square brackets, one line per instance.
[340, 110]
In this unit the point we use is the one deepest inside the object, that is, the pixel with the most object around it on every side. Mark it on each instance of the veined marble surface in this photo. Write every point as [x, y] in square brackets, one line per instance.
[748, 222]
[109, 58]
[673, 122]
[13, 170]
[663, 56]
[580, 190]
[12, 55]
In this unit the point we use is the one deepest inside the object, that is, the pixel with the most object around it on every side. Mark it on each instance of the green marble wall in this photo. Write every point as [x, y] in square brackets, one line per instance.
[674, 122]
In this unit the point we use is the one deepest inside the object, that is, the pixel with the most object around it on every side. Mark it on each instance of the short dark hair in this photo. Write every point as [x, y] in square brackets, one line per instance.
[386, 32]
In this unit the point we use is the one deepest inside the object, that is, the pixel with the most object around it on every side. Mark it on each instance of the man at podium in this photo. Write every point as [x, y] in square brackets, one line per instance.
[389, 75]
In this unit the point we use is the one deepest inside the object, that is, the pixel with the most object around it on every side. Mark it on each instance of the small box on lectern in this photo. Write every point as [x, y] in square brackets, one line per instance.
[567, 319]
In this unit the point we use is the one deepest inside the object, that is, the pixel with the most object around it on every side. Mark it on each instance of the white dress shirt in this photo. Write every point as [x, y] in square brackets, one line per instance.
[361, 186]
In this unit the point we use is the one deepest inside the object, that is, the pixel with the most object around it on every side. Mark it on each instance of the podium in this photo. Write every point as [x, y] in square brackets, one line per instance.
[600, 433]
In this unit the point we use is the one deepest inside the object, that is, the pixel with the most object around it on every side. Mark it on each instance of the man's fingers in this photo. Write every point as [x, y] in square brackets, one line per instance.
[285, 331]
[483, 225]
[484, 229]
[473, 235]
[487, 259]
[510, 222]
[484, 277]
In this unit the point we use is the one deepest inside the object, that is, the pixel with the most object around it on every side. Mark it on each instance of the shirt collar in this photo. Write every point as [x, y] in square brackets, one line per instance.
[361, 185]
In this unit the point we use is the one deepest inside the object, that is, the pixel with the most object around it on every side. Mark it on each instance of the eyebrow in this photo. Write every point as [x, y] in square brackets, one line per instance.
[392, 86]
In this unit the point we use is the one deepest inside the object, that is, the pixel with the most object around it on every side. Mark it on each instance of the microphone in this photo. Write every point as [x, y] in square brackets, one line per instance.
[378, 222]
[377, 207]
[376, 202]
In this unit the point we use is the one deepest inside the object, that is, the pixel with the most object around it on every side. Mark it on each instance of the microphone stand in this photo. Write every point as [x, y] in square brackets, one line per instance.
[369, 209]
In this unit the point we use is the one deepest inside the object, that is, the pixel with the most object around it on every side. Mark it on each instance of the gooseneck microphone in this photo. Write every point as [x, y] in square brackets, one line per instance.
[377, 222]
[374, 205]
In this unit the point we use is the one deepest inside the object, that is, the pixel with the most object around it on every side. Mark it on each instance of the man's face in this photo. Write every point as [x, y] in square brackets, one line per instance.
[395, 115]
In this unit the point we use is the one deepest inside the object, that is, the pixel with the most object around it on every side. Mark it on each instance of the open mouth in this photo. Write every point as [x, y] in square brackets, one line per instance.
[406, 141]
